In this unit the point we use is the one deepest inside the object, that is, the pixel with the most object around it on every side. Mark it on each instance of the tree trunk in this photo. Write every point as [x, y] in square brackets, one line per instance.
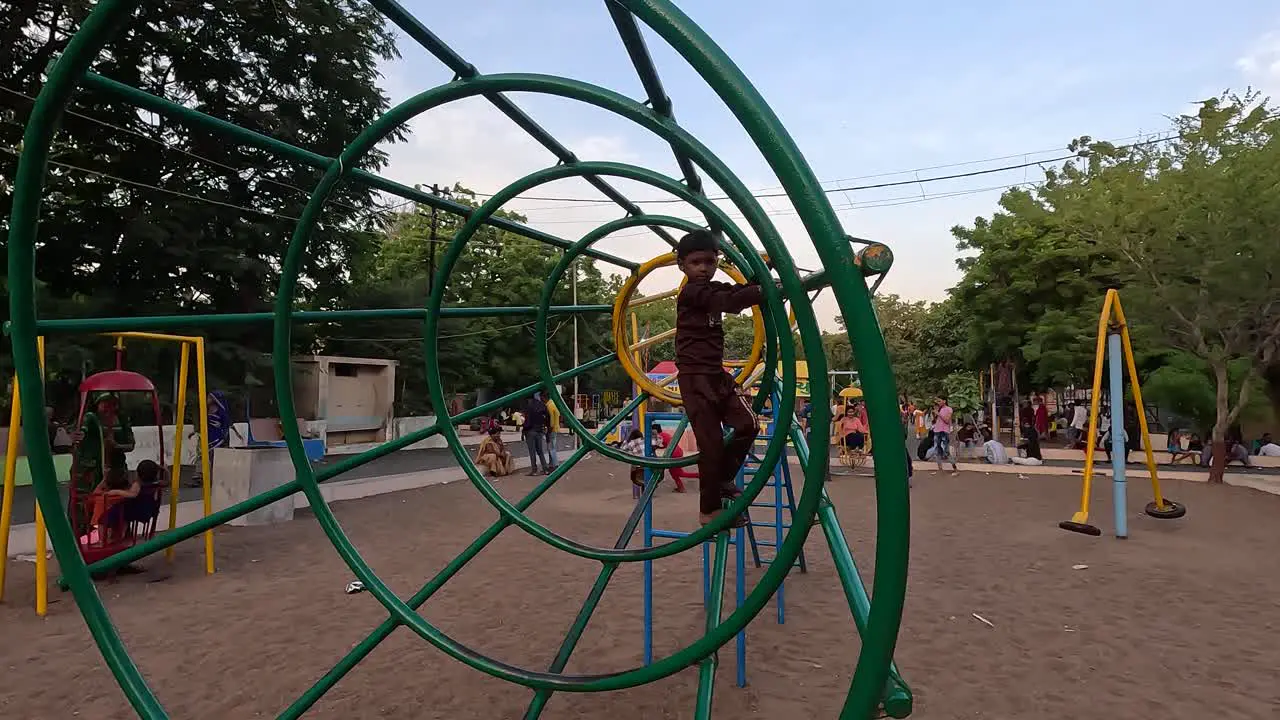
[1218, 467]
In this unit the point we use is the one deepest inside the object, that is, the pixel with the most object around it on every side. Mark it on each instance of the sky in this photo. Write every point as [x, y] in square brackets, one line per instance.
[871, 93]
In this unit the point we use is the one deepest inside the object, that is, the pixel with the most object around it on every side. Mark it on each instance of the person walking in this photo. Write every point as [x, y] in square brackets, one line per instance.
[942, 435]
[537, 422]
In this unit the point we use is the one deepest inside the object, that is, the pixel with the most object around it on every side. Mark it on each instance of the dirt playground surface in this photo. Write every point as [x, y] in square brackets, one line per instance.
[1180, 621]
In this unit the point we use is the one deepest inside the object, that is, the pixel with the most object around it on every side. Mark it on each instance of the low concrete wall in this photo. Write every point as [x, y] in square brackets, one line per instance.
[1163, 457]
[22, 539]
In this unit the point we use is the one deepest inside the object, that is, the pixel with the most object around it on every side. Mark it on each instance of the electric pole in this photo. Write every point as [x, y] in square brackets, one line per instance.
[431, 251]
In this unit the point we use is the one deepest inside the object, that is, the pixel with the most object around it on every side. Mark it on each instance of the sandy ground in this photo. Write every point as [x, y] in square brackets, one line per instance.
[1180, 621]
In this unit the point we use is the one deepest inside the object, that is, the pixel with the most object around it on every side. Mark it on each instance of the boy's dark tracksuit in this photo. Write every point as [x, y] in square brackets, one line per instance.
[710, 395]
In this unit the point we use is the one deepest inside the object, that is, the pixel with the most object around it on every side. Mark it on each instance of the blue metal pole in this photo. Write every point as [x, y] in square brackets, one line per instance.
[1115, 363]
[778, 476]
[648, 569]
[741, 593]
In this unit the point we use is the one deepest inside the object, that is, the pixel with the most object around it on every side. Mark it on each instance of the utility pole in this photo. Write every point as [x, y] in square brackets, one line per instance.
[431, 251]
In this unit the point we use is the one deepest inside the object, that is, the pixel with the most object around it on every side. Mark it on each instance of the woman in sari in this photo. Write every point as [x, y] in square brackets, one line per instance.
[493, 455]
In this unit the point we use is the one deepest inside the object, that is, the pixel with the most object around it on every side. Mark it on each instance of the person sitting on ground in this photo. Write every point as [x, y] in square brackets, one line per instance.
[853, 433]
[1195, 444]
[1029, 447]
[985, 433]
[1267, 447]
[1174, 447]
[493, 454]
[994, 452]
[967, 437]
[1236, 452]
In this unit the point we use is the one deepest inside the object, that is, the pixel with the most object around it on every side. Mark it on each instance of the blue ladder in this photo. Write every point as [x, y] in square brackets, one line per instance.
[782, 503]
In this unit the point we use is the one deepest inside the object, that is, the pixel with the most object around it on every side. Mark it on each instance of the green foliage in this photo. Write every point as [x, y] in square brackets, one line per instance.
[1194, 222]
[962, 392]
[1184, 387]
[141, 212]
[1186, 230]
[1033, 285]
[925, 343]
[495, 269]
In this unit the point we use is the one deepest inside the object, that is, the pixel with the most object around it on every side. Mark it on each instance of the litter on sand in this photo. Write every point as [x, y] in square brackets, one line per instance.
[1079, 567]
[983, 620]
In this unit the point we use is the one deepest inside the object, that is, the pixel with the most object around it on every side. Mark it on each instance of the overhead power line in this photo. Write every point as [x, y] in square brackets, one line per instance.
[853, 188]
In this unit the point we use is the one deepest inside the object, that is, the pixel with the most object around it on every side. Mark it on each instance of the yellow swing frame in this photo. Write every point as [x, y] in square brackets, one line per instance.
[187, 343]
[1113, 319]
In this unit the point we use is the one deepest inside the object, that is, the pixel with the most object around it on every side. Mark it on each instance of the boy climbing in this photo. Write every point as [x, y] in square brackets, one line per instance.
[711, 397]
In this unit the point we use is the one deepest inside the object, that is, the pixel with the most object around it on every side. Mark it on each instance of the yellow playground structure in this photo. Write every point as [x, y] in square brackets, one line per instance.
[1113, 344]
[97, 548]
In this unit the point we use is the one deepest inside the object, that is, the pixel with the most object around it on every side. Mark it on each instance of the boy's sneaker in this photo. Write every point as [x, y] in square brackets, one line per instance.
[740, 521]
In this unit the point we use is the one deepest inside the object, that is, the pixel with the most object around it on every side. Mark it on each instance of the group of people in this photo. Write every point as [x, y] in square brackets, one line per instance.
[539, 423]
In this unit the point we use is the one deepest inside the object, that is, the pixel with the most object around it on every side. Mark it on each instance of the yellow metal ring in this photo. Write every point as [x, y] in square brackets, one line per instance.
[622, 345]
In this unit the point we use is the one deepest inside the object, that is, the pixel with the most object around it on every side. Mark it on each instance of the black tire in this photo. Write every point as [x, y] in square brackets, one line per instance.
[1171, 511]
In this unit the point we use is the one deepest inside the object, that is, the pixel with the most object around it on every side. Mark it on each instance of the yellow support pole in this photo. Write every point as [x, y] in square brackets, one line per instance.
[1137, 401]
[10, 481]
[1082, 517]
[206, 469]
[42, 565]
[179, 418]
[635, 333]
[42, 560]
[163, 337]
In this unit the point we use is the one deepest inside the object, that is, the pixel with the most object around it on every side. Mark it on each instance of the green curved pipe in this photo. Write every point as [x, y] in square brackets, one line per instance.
[802, 188]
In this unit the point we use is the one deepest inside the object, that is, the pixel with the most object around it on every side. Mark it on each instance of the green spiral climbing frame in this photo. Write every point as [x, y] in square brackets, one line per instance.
[874, 684]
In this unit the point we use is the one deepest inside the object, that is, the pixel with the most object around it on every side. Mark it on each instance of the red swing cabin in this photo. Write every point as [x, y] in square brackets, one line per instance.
[124, 532]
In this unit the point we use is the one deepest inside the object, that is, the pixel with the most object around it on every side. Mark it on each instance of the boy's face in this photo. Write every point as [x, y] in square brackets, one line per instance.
[699, 265]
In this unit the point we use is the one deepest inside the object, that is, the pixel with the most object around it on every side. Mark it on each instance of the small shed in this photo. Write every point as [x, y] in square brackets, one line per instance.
[353, 397]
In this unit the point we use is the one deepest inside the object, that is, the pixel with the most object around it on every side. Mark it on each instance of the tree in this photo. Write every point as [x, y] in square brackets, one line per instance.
[1195, 220]
[142, 211]
[1184, 386]
[926, 342]
[1031, 292]
[495, 269]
